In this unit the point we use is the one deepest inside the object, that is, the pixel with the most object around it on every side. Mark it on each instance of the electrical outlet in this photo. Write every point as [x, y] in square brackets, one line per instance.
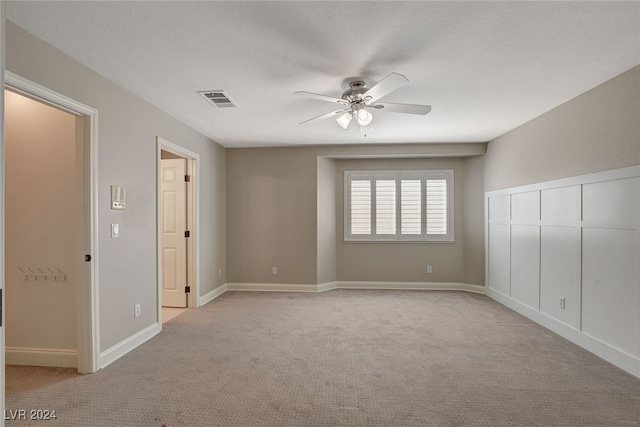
[219, 272]
[562, 303]
[429, 269]
[136, 310]
[274, 270]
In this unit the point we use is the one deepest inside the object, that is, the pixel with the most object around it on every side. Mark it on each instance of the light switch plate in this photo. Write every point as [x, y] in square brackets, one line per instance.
[115, 231]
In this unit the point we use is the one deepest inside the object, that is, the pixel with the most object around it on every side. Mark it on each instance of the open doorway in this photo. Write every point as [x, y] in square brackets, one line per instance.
[177, 229]
[49, 175]
[41, 236]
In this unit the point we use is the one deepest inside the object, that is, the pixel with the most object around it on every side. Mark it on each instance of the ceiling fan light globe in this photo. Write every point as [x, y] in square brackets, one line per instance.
[364, 117]
[345, 119]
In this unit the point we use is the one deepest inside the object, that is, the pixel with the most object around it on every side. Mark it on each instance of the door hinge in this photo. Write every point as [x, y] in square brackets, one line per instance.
[0, 307]
[87, 258]
[187, 178]
[187, 233]
[187, 289]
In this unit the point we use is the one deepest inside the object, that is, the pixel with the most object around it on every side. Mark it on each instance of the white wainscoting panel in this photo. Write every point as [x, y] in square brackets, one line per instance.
[525, 264]
[500, 257]
[611, 203]
[525, 207]
[608, 286]
[561, 206]
[577, 240]
[500, 209]
[560, 273]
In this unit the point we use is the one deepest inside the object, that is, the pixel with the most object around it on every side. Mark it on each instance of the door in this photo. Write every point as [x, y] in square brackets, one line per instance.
[174, 225]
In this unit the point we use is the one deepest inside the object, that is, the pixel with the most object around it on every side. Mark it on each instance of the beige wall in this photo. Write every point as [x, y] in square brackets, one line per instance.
[128, 127]
[40, 228]
[279, 214]
[599, 130]
[326, 218]
[473, 220]
[407, 262]
[271, 215]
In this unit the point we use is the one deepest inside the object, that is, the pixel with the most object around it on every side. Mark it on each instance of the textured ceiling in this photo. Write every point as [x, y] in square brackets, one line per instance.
[484, 67]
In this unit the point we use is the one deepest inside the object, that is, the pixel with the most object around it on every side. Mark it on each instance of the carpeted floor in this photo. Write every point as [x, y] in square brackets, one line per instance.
[340, 358]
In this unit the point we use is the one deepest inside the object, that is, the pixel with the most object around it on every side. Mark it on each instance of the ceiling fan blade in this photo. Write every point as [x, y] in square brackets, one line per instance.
[390, 83]
[327, 116]
[322, 97]
[403, 108]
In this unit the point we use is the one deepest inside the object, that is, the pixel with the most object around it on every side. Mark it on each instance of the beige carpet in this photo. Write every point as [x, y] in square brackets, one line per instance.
[340, 358]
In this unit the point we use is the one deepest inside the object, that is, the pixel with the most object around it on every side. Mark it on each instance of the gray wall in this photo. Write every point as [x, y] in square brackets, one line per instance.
[596, 131]
[128, 127]
[279, 214]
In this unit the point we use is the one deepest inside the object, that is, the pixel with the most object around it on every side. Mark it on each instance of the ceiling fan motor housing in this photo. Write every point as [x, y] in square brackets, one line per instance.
[354, 93]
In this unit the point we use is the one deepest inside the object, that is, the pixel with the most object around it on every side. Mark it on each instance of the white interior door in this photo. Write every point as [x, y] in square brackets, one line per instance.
[174, 224]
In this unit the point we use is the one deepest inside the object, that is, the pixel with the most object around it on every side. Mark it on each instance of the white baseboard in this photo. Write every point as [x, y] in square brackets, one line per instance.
[424, 286]
[272, 287]
[601, 349]
[327, 286]
[286, 287]
[211, 295]
[59, 358]
[123, 347]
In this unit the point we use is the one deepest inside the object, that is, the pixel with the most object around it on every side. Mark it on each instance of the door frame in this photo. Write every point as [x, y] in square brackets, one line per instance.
[193, 205]
[88, 319]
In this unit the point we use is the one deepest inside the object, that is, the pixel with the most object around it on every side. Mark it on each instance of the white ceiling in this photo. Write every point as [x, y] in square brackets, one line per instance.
[485, 67]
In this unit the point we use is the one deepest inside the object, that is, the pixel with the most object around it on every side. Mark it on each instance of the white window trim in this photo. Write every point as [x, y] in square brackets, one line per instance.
[398, 175]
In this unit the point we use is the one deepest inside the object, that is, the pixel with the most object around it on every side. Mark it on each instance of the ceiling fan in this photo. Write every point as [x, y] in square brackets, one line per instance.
[358, 100]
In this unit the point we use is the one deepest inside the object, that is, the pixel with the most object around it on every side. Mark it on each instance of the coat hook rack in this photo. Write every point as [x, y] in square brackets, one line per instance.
[41, 275]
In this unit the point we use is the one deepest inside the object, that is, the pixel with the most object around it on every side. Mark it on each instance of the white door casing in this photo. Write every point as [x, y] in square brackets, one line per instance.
[173, 224]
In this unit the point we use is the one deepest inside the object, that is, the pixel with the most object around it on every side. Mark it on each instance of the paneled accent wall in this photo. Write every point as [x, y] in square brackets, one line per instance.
[566, 254]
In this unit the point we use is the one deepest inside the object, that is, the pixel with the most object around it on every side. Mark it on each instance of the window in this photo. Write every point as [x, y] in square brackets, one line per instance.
[399, 206]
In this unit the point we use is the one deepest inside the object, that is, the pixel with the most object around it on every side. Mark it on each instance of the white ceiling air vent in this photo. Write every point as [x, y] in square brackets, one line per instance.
[218, 98]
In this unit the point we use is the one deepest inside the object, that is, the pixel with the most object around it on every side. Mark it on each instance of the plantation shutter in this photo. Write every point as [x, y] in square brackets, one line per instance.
[360, 207]
[385, 207]
[408, 205]
[411, 207]
[436, 206]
